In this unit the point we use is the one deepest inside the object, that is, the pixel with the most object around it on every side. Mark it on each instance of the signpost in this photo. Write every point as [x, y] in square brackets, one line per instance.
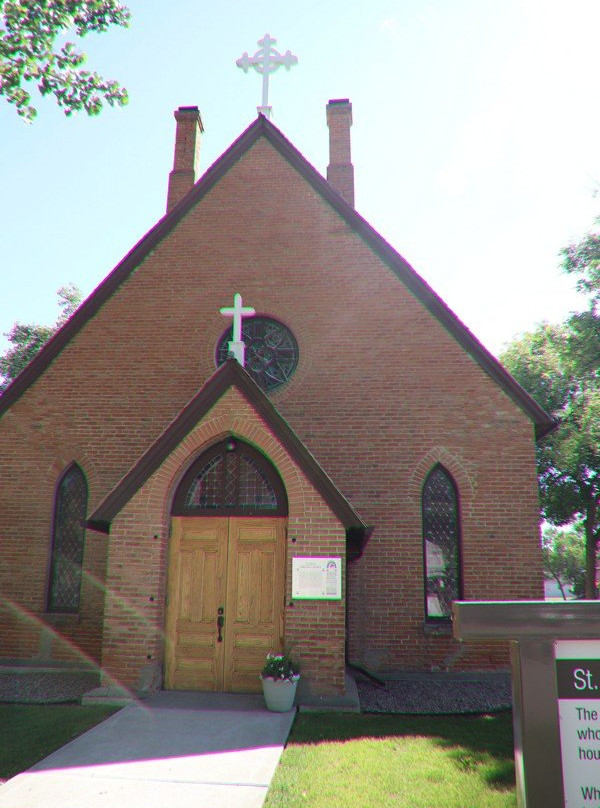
[555, 659]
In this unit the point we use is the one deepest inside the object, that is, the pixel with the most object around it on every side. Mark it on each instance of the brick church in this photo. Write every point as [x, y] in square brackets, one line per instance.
[170, 514]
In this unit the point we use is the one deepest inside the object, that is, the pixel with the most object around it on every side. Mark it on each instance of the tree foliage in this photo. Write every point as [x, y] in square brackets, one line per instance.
[30, 51]
[563, 552]
[27, 340]
[559, 365]
[582, 259]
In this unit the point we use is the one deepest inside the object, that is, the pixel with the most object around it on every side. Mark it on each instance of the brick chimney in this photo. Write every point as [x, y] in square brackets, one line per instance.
[340, 171]
[187, 154]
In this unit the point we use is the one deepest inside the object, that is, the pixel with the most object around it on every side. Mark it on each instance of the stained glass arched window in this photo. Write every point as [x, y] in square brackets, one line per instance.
[441, 544]
[67, 542]
[230, 479]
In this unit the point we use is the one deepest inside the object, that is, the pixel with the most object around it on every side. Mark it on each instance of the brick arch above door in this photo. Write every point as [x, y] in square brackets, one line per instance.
[229, 421]
[229, 403]
[231, 478]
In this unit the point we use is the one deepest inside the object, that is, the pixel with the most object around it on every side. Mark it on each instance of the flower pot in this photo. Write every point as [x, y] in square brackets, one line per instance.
[279, 694]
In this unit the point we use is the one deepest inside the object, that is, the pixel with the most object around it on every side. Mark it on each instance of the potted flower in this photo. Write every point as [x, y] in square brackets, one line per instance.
[279, 678]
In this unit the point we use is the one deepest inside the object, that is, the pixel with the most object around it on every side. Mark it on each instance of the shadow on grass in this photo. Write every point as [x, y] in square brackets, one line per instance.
[483, 743]
[30, 732]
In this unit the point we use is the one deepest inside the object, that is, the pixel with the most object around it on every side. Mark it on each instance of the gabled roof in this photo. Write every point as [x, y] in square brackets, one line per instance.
[261, 127]
[230, 374]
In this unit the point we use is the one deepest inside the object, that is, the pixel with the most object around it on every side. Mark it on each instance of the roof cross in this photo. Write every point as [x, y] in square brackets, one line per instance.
[266, 61]
[238, 312]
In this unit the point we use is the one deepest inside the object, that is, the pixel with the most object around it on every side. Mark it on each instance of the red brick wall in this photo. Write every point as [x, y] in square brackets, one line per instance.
[381, 393]
[33, 461]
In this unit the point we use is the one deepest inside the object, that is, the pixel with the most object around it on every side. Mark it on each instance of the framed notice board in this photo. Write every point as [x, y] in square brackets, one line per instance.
[317, 578]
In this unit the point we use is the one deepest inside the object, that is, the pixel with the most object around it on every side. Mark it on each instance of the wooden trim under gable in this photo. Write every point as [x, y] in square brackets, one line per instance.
[261, 127]
[228, 375]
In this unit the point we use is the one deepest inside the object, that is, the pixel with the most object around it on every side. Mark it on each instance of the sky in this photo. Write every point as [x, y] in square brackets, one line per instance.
[475, 142]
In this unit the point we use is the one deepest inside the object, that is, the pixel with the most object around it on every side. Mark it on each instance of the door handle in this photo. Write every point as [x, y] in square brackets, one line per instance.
[220, 623]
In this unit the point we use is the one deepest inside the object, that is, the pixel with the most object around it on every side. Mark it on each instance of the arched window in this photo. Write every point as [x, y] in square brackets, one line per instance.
[230, 479]
[441, 544]
[67, 542]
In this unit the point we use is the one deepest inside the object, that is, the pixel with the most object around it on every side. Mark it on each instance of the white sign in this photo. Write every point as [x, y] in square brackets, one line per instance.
[578, 687]
[317, 578]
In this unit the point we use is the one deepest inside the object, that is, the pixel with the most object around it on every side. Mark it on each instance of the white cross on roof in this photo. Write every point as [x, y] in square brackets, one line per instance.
[266, 61]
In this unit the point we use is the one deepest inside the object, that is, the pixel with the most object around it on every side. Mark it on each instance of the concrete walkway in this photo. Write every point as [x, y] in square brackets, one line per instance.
[173, 749]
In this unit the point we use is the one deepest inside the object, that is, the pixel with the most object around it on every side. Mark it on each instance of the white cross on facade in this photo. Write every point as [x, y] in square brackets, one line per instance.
[238, 312]
[266, 61]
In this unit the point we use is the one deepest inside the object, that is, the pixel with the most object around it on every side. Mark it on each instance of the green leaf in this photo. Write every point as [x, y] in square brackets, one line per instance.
[28, 34]
[559, 365]
[27, 339]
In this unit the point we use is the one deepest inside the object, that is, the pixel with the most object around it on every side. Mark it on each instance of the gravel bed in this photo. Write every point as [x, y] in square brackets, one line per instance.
[409, 695]
[436, 696]
[45, 687]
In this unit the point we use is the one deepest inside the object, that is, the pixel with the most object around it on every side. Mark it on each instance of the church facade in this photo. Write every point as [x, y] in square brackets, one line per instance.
[171, 516]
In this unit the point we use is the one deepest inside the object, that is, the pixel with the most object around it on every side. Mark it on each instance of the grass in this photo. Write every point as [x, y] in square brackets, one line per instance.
[359, 761]
[30, 732]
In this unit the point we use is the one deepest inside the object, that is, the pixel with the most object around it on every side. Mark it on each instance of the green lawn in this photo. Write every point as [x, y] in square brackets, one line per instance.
[30, 732]
[364, 761]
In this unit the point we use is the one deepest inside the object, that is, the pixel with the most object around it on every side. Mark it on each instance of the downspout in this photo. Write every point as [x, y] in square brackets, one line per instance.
[372, 677]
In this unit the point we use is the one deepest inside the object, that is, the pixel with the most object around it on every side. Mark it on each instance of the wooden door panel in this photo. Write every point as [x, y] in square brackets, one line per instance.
[198, 579]
[267, 601]
[196, 589]
[255, 599]
[195, 664]
[255, 571]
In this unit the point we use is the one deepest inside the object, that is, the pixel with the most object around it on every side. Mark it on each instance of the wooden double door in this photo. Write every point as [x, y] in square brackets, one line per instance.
[225, 601]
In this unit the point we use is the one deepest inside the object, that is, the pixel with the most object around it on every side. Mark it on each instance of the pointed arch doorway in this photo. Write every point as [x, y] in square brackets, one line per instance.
[226, 577]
